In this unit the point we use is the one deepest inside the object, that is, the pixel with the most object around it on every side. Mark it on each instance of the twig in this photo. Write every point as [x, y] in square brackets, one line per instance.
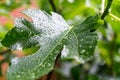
[106, 11]
[53, 5]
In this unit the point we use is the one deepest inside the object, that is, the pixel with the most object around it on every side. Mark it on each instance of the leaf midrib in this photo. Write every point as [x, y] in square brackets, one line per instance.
[54, 47]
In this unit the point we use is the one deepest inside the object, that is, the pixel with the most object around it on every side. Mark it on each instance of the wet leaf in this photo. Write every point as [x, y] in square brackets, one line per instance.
[81, 42]
[47, 32]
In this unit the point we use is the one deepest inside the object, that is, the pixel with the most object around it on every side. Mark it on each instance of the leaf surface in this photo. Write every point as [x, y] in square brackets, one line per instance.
[46, 31]
[49, 33]
[81, 41]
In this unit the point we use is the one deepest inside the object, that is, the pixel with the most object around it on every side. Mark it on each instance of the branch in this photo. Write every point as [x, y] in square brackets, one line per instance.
[53, 5]
[106, 11]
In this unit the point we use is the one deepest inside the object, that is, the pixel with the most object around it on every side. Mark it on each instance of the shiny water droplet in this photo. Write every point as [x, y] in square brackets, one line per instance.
[33, 75]
[21, 30]
[112, 19]
[49, 64]
[18, 76]
[22, 72]
[82, 51]
[78, 59]
[81, 39]
[80, 45]
[90, 46]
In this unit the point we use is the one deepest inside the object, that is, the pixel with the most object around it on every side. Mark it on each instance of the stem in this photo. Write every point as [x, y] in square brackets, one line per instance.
[53, 5]
[106, 11]
[102, 6]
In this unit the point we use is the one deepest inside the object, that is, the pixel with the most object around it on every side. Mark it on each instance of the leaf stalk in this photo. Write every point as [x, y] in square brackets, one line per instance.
[106, 11]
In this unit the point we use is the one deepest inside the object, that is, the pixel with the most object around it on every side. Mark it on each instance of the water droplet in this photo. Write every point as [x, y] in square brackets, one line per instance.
[80, 45]
[112, 19]
[117, 58]
[21, 30]
[33, 75]
[81, 39]
[90, 46]
[22, 72]
[49, 64]
[82, 51]
[79, 59]
[18, 76]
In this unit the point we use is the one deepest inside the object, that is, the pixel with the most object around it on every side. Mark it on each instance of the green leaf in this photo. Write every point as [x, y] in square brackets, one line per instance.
[81, 42]
[21, 36]
[45, 31]
[49, 32]
[115, 8]
[3, 31]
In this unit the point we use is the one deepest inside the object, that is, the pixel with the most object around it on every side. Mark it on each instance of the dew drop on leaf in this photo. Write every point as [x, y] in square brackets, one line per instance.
[80, 45]
[18, 76]
[33, 75]
[78, 59]
[90, 46]
[49, 64]
[21, 30]
[82, 51]
[81, 39]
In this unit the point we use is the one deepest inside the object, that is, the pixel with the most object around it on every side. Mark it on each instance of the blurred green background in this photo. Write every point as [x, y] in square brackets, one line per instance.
[105, 64]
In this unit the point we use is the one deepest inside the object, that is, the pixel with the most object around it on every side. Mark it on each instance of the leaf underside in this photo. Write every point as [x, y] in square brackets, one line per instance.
[52, 34]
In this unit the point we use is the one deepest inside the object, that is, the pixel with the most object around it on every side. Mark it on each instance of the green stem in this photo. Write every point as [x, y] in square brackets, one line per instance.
[102, 6]
[106, 11]
[53, 5]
